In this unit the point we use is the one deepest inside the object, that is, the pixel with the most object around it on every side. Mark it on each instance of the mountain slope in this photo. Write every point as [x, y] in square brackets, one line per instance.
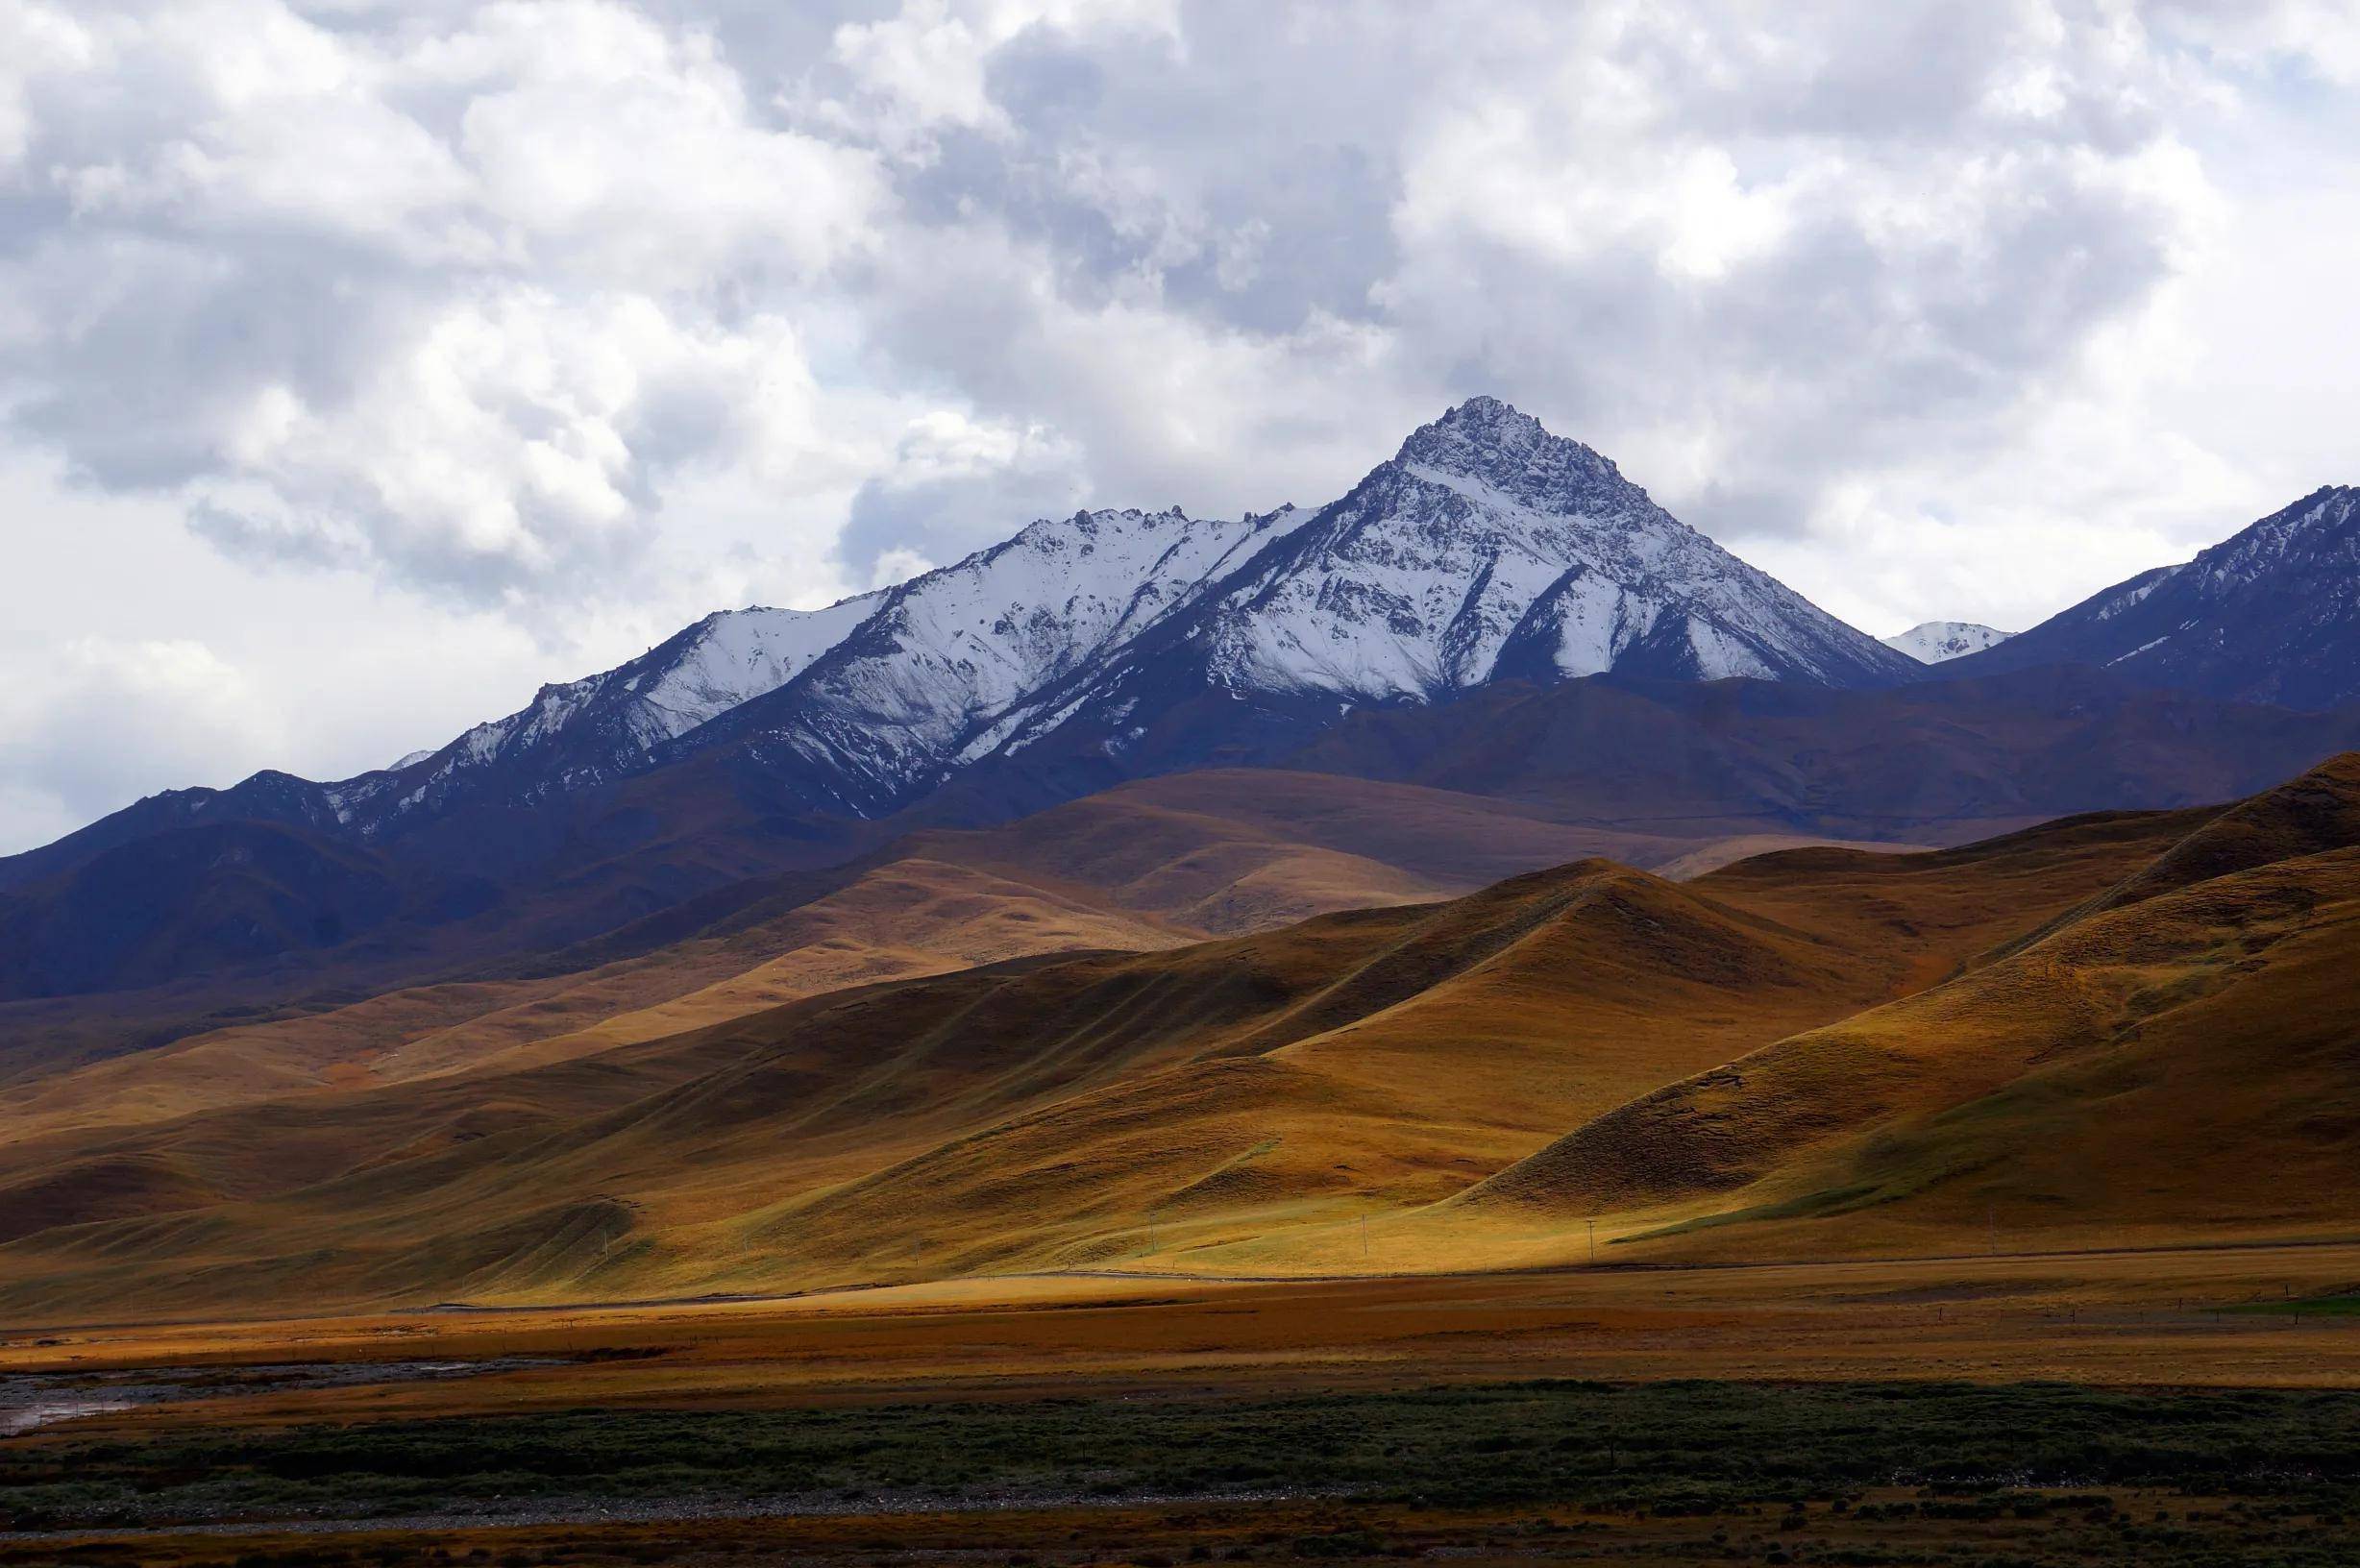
[1935, 642]
[1041, 1113]
[2177, 1051]
[885, 713]
[1486, 550]
[1940, 760]
[2264, 615]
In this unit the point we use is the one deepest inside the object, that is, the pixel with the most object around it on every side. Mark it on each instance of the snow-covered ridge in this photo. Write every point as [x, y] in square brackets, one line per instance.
[724, 659]
[929, 680]
[1933, 642]
[586, 730]
[1486, 550]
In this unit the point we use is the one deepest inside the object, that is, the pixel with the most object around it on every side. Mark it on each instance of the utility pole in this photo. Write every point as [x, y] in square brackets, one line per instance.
[1991, 1217]
[1593, 1242]
[1364, 1239]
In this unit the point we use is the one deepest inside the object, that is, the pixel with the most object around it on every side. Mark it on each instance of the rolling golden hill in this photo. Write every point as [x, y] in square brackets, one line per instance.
[1358, 1088]
[1143, 867]
[2173, 1058]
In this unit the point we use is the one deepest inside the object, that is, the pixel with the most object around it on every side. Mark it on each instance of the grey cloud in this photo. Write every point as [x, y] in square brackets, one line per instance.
[942, 520]
[1226, 268]
[1828, 342]
[118, 717]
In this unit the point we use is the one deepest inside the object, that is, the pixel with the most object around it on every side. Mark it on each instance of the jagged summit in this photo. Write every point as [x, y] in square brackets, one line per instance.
[1488, 549]
[1492, 548]
[1486, 439]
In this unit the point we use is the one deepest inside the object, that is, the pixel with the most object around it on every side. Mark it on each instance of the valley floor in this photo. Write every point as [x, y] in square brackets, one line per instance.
[2197, 1403]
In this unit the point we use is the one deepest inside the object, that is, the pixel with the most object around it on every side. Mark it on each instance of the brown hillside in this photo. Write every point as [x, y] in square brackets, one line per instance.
[2178, 1053]
[1146, 866]
[1248, 1093]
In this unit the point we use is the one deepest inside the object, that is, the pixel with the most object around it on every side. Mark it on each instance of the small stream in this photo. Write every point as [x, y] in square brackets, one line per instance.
[28, 1399]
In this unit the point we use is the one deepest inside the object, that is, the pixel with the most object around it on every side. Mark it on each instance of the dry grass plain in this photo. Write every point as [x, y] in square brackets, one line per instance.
[1989, 1204]
[2073, 1337]
[2174, 1316]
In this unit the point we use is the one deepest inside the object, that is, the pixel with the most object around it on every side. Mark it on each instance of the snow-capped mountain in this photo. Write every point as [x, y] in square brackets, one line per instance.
[1406, 631]
[2268, 615]
[1487, 549]
[1516, 551]
[1935, 642]
[947, 654]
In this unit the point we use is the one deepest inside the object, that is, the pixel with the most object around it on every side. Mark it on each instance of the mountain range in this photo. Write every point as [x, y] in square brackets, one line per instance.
[1479, 851]
[1486, 550]
[1494, 610]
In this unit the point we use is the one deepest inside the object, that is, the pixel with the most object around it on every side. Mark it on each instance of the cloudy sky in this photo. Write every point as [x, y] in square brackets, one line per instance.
[364, 365]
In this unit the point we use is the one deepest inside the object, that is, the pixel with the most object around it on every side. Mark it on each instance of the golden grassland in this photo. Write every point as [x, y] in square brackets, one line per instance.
[2188, 1315]
[2127, 1030]
[2028, 1136]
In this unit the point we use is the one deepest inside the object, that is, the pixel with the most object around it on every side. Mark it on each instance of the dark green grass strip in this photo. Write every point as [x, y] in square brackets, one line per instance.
[1666, 1447]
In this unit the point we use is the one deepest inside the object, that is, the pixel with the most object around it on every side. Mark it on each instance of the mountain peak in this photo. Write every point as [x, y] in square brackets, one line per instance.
[1489, 549]
[1936, 642]
[1487, 440]
[2317, 520]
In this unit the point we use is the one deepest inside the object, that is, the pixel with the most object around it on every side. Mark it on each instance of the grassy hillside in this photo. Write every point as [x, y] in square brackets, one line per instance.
[1311, 1096]
[2172, 1058]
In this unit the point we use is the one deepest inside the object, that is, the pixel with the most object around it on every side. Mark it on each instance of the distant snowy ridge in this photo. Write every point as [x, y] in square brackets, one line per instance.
[931, 678]
[1933, 642]
[587, 730]
[1486, 550]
